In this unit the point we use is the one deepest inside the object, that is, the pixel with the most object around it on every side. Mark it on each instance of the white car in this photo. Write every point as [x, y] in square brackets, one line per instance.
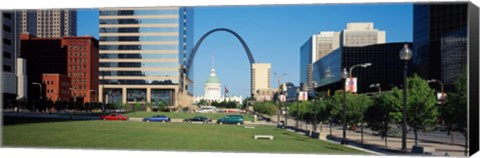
[207, 110]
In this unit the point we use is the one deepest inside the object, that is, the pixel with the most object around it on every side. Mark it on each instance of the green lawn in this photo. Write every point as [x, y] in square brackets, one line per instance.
[179, 115]
[163, 136]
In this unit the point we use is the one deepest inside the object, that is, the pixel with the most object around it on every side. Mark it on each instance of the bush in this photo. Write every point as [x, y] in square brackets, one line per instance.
[265, 108]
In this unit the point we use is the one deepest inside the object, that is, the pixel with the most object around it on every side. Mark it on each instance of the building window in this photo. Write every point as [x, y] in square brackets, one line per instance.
[7, 68]
[7, 28]
[7, 55]
[7, 41]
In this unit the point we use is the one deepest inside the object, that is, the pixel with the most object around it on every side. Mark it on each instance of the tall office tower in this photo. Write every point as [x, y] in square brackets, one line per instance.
[8, 41]
[48, 23]
[361, 34]
[326, 43]
[316, 47]
[142, 53]
[440, 41]
[260, 77]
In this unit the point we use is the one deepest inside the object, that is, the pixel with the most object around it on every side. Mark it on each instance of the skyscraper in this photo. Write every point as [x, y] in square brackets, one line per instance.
[316, 47]
[48, 23]
[361, 34]
[8, 77]
[440, 40]
[142, 53]
[260, 77]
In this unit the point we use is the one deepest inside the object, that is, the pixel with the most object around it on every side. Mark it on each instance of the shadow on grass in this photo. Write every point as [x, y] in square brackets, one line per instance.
[14, 120]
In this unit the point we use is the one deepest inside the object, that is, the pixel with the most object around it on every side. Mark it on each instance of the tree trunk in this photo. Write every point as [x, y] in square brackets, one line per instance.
[386, 134]
[331, 124]
[361, 130]
[415, 132]
[321, 126]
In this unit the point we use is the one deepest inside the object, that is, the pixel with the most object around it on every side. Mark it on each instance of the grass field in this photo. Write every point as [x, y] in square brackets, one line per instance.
[163, 136]
[179, 115]
[175, 115]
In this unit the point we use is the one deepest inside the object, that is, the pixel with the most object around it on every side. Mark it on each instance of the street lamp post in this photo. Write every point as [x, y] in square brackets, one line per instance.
[40, 86]
[95, 93]
[344, 76]
[364, 65]
[74, 94]
[442, 101]
[377, 85]
[314, 110]
[285, 105]
[405, 55]
[278, 77]
[441, 89]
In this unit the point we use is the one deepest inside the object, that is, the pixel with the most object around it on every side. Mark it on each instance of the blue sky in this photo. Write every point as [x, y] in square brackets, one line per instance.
[274, 34]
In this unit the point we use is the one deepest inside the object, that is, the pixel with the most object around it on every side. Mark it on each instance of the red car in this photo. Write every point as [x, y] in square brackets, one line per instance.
[114, 116]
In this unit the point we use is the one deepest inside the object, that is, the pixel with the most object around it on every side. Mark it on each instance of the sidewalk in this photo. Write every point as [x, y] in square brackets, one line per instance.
[376, 143]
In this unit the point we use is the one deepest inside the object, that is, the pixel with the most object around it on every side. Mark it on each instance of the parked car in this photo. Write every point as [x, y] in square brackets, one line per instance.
[207, 109]
[114, 116]
[239, 116]
[157, 118]
[202, 119]
[230, 120]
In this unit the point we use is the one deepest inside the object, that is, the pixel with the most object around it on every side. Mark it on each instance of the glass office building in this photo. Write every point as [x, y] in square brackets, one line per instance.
[386, 69]
[437, 29]
[142, 53]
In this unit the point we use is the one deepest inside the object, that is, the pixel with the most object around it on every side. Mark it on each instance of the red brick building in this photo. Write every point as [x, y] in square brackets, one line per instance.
[82, 66]
[75, 57]
[57, 87]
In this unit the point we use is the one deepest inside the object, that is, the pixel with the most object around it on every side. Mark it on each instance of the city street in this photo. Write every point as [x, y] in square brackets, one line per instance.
[440, 141]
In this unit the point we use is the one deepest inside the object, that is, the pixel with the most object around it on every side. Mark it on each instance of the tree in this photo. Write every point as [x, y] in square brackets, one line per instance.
[356, 105]
[299, 110]
[268, 108]
[454, 113]
[161, 106]
[421, 109]
[202, 102]
[385, 109]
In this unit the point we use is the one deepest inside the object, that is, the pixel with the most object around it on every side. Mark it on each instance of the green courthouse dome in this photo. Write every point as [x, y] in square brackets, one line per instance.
[213, 78]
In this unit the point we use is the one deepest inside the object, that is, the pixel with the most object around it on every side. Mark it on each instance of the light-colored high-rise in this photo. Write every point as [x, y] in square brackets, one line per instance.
[7, 42]
[361, 34]
[320, 45]
[325, 43]
[316, 47]
[142, 52]
[260, 77]
[48, 23]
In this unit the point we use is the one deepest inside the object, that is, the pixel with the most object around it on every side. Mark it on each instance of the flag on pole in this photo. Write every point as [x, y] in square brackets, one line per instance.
[226, 89]
[351, 85]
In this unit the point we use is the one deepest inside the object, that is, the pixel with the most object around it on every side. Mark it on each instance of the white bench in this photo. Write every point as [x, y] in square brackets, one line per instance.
[291, 130]
[253, 127]
[263, 136]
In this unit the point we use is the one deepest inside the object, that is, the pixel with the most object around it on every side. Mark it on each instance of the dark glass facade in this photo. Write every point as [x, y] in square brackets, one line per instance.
[386, 69]
[431, 23]
[305, 60]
